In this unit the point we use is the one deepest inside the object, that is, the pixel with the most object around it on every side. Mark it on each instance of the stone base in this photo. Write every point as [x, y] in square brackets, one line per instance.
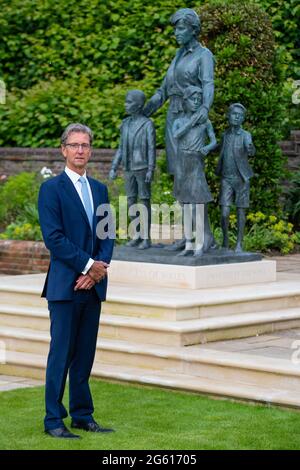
[192, 277]
[158, 254]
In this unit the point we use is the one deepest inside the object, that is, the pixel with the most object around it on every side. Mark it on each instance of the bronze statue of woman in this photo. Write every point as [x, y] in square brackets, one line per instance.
[193, 65]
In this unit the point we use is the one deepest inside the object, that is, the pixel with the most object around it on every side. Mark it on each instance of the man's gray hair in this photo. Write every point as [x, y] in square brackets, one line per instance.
[76, 127]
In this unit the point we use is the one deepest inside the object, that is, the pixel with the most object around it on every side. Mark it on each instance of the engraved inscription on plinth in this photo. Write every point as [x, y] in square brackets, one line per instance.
[192, 277]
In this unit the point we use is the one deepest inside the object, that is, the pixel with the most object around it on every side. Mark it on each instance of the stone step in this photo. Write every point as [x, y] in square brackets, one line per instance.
[151, 331]
[196, 361]
[200, 362]
[35, 318]
[171, 304]
[33, 365]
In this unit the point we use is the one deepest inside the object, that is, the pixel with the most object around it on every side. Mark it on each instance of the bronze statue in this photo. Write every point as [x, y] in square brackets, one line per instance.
[235, 172]
[192, 65]
[137, 152]
[190, 185]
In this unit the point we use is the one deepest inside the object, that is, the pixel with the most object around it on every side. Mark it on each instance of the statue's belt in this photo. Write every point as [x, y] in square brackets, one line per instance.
[176, 93]
[191, 153]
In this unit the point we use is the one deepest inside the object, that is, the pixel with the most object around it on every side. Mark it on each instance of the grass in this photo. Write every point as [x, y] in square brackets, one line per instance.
[149, 418]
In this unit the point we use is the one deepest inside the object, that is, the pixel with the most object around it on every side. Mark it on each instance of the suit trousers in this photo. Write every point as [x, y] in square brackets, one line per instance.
[74, 330]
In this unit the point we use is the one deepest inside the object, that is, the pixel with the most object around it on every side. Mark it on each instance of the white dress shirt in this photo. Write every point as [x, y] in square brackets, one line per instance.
[74, 177]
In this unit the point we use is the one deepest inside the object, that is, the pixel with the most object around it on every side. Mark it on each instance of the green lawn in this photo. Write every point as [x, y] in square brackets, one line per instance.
[150, 418]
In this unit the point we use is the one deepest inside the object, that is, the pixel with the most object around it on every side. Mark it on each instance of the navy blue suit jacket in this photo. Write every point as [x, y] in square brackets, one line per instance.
[68, 236]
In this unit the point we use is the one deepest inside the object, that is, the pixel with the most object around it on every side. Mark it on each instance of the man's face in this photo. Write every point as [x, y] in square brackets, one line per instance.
[193, 102]
[184, 33]
[132, 104]
[236, 117]
[77, 151]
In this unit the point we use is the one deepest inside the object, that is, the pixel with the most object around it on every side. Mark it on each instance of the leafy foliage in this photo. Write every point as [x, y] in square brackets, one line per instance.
[22, 231]
[263, 233]
[76, 60]
[292, 200]
[285, 17]
[17, 196]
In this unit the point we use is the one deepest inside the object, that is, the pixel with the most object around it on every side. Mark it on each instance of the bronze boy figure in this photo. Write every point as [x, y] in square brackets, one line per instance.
[235, 172]
[137, 153]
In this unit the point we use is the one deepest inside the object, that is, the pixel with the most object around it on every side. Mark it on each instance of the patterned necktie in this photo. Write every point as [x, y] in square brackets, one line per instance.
[86, 200]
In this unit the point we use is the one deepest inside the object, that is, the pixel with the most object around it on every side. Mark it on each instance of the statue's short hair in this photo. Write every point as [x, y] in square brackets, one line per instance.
[237, 105]
[76, 127]
[189, 16]
[139, 95]
[190, 90]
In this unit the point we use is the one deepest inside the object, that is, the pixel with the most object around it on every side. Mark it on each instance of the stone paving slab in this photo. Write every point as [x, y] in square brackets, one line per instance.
[279, 345]
[8, 382]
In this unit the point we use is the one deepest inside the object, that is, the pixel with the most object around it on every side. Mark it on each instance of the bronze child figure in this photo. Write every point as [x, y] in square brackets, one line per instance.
[137, 152]
[235, 172]
[190, 185]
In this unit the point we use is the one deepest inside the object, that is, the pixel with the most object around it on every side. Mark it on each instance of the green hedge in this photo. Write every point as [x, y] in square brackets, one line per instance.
[285, 17]
[75, 61]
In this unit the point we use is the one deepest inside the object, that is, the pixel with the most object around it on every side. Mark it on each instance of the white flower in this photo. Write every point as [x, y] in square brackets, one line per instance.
[46, 172]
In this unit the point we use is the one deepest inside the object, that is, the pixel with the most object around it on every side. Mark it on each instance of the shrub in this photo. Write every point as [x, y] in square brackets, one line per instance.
[22, 231]
[17, 193]
[268, 233]
[285, 17]
[264, 233]
[292, 200]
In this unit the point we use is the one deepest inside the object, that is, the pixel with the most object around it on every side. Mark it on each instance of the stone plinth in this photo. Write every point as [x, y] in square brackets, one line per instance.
[192, 277]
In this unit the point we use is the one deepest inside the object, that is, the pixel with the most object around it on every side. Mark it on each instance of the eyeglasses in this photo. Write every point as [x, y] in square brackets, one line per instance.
[85, 147]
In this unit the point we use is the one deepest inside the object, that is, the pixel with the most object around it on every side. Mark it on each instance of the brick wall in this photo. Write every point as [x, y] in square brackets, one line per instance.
[16, 160]
[23, 257]
[291, 148]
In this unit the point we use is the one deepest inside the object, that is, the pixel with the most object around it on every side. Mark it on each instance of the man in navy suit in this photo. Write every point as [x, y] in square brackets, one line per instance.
[76, 282]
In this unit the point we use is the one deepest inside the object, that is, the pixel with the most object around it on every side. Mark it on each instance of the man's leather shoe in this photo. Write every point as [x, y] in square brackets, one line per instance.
[62, 433]
[91, 427]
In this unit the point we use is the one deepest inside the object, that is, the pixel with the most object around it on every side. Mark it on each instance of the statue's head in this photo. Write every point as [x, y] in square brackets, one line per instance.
[236, 114]
[186, 24]
[192, 98]
[134, 102]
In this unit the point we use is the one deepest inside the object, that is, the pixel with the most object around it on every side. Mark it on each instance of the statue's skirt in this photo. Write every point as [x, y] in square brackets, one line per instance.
[190, 185]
